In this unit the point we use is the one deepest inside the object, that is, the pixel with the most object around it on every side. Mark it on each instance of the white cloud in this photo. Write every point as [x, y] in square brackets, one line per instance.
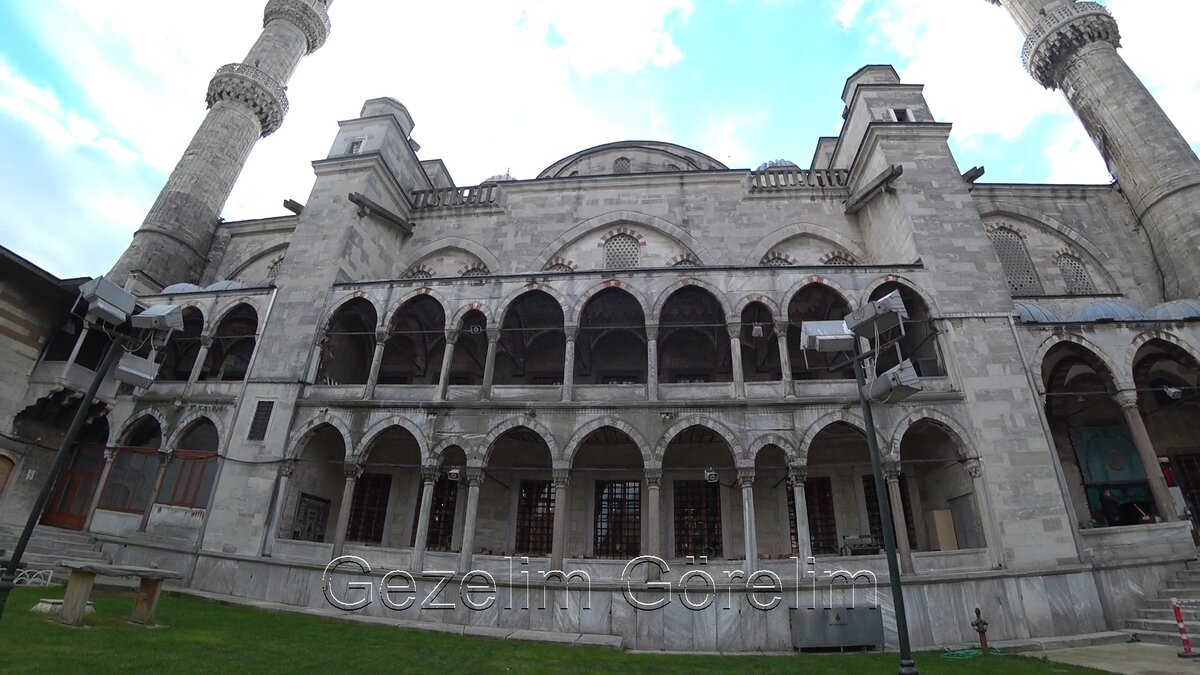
[846, 12]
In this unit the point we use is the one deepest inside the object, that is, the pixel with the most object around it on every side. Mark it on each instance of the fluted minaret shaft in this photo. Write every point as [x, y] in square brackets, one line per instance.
[1072, 46]
[246, 102]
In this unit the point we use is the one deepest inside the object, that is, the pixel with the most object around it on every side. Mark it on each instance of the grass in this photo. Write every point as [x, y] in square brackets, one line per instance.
[209, 637]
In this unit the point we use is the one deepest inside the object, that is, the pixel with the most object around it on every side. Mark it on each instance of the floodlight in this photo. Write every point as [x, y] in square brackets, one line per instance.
[453, 474]
[895, 385]
[107, 301]
[878, 316]
[159, 317]
[135, 370]
[826, 336]
[1173, 392]
[710, 475]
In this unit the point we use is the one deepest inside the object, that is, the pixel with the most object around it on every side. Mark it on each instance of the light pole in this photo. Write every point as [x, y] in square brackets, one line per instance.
[111, 306]
[871, 320]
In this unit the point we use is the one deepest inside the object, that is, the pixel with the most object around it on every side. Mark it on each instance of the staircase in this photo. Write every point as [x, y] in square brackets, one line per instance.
[1156, 621]
[48, 545]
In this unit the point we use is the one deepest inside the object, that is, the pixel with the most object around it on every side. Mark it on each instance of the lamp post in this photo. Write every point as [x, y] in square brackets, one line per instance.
[871, 320]
[107, 304]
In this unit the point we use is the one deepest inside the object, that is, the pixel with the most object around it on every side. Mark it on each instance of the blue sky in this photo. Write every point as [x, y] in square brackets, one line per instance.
[98, 99]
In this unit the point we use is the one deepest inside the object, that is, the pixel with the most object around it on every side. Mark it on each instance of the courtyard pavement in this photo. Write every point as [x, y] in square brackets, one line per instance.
[1127, 659]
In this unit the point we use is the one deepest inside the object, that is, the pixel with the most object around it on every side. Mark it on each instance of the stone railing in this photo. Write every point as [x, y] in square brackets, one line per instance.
[769, 180]
[1061, 32]
[253, 88]
[312, 22]
[477, 195]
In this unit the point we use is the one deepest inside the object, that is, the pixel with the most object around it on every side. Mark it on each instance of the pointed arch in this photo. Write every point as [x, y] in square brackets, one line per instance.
[735, 447]
[269, 249]
[795, 288]
[1122, 379]
[656, 311]
[485, 449]
[484, 254]
[865, 296]
[403, 300]
[455, 322]
[378, 428]
[1147, 336]
[765, 300]
[564, 305]
[608, 220]
[188, 424]
[851, 418]
[799, 230]
[438, 452]
[584, 431]
[296, 440]
[788, 445]
[586, 296]
[959, 433]
[116, 433]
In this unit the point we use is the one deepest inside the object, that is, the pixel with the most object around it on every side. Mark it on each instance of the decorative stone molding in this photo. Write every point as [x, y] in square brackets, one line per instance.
[798, 474]
[641, 238]
[419, 271]
[974, 467]
[473, 476]
[381, 336]
[745, 477]
[777, 259]
[561, 264]
[1063, 31]
[429, 474]
[287, 468]
[562, 477]
[253, 88]
[653, 478]
[838, 258]
[475, 269]
[683, 260]
[353, 470]
[891, 471]
[312, 22]
[1127, 399]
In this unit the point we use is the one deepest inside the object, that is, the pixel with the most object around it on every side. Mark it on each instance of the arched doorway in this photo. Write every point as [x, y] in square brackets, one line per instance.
[941, 508]
[610, 347]
[532, 341]
[311, 511]
[700, 505]
[72, 495]
[388, 491]
[516, 500]
[606, 473]
[1167, 379]
[349, 344]
[693, 339]
[189, 479]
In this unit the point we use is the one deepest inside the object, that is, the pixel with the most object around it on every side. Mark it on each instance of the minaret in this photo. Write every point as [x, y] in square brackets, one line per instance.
[1072, 46]
[246, 101]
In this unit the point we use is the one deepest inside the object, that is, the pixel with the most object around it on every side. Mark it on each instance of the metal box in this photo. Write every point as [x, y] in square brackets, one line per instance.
[836, 628]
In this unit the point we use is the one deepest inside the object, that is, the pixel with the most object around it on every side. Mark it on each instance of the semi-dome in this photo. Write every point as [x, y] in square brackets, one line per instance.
[181, 288]
[1107, 310]
[778, 164]
[1177, 310]
[638, 156]
[1031, 312]
[224, 285]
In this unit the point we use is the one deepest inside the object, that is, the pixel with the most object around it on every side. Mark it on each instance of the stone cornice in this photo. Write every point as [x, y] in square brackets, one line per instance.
[1060, 33]
[254, 89]
[312, 22]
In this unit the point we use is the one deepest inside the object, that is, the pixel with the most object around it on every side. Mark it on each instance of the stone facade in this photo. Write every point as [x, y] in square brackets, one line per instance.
[603, 361]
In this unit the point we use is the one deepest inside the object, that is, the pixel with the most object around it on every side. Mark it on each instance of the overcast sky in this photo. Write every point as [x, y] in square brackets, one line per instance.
[99, 99]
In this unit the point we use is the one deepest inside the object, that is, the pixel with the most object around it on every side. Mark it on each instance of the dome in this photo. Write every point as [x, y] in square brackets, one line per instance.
[224, 285]
[181, 288]
[1177, 310]
[499, 178]
[1107, 310]
[777, 164]
[1031, 312]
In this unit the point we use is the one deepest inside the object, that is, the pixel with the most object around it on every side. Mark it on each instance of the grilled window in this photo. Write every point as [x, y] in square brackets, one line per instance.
[621, 165]
[617, 525]
[822, 528]
[441, 515]
[621, 251]
[189, 479]
[697, 518]
[479, 270]
[262, 418]
[1075, 275]
[535, 517]
[368, 510]
[873, 518]
[130, 480]
[1014, 258]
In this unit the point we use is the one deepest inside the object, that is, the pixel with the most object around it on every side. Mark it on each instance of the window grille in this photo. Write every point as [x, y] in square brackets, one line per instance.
[441, 515]
[621, 165]
[368, 510]
[697, 518]
[422, 274]
[617, 525]
[685, 262]
[273, 270]
[621, 252]
[838, 259]
[1075, 276]
[262, 417]
[560, 267]
[873, 518]
[776, 259]
[535, 517]
[1014, 258]
[822, 528]
[130, 480]
[189, 479]
[479, 270]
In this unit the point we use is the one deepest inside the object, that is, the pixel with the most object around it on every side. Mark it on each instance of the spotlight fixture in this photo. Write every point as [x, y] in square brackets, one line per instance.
[454, 474]
[710, 475]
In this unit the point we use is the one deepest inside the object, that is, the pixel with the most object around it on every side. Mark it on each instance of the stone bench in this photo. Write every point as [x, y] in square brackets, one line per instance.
[83, 577]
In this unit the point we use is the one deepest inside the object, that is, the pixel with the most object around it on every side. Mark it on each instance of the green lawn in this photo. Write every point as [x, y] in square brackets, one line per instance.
[209, 637]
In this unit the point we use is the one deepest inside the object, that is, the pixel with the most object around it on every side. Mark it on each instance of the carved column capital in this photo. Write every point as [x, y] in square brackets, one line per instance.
[745, 478]
[311, 21]
[571, 331]
[287, 467]
[429, 474]
[206, 341]
[651, 331]
[473, 476]
[798, 474]
[110, 453]
[735, 330]
[253, 88]
[781, 327]
[1061, 33]
[891, 471]
[974, 466]
[164, 458]
[352, 470]
[562, 478]
[1127, 399]
[381, 336]
[493, 336]
[653, 478]
[451, 336]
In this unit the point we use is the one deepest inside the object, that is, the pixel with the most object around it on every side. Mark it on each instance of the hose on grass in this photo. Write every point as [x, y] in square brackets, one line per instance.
[964, 654]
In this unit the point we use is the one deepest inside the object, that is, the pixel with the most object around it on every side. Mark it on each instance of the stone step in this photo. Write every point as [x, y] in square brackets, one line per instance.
[1162, 625]
[44, 532]
[1167, 614]
[1156, 637]
[52, 549]
[1183, 593]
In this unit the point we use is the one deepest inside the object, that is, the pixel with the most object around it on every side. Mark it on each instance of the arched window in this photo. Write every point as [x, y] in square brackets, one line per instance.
[1014, 258]
[1075, 275]
[621, 251]
[476, 270]
[777, 259]
[273, 270]
[560, 267]
[621, 165]
[839, 259]
[420, 274]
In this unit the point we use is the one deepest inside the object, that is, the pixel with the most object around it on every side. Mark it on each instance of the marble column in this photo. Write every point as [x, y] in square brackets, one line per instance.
[785, 359]
[286, 468]
[381, 337]
[447, 361]
[891, 472]
[558, 545]
[651, 363]
[474, 478]
[983, 503]
[568, 385]
[746, 480]
[206, 343]
[110, 455]
[799, 474]
[83, 334]
[735, 352]
[353, 470]
[164, 460]
[654, 518]
[1163, 502]
[429, 476]
[489, 365]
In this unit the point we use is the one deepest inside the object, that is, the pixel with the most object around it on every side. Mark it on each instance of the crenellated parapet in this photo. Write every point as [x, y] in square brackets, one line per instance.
[312, 22]
[253, 88]
[1061, 33]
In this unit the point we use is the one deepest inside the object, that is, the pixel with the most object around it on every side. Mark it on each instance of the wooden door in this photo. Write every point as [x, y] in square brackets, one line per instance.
[72, 494]
[6, 468]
